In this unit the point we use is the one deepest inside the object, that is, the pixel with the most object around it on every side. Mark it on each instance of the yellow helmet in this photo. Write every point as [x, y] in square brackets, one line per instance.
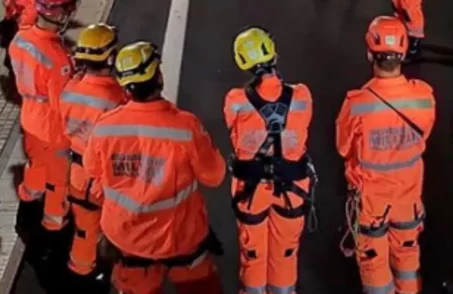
[96, 43]
[136, 63]
[253, 47]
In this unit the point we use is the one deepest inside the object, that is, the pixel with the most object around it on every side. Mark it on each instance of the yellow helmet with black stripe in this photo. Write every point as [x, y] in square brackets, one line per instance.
[253, 48]
[96, 43]
[137, 63]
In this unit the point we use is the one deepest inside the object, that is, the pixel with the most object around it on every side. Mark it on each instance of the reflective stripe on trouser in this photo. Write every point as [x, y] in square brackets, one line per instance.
[268, 290]
[33, 186]
[405, 254]
[269, 267]
[55, 203]
[197, 278]
[384, 289]
[83, 251]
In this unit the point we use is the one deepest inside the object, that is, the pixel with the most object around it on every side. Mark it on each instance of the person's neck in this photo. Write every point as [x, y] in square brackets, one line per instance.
[46, 26]
[387, 74]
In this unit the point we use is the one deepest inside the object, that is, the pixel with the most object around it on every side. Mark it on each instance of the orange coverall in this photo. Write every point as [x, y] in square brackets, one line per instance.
[411, 13]
[269, 248]
[149, 158]
[383, 161]
[42, 68]
[82, 102]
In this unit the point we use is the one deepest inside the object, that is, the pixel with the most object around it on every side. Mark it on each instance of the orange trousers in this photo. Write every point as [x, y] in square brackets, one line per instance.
[197, 278]
[45, 176]
[388, 252]
[269, 250]
[411, 13]
[87, 215]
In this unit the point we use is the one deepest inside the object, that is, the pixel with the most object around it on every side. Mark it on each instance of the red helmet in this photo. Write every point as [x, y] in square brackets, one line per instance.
[55, 7]
[387, 34]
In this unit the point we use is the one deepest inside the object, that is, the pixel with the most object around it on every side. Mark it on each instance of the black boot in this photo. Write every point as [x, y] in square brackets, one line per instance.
[28, 218]
[414, 51]
[93, 283]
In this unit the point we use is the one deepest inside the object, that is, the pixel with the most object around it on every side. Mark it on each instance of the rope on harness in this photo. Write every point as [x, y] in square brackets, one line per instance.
[312, 217]
[352, 209]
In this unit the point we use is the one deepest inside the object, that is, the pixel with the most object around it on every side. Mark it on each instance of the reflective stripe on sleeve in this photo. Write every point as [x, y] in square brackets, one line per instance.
[131, 205]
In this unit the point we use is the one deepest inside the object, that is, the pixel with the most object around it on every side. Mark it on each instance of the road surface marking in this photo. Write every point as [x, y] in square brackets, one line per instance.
[173, 47]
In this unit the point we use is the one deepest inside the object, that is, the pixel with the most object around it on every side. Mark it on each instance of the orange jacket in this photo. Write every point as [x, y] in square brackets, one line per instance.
[378, 146]
[83, 100]
[247, 128]
[149, 158]
[42, 67]
[23, 10]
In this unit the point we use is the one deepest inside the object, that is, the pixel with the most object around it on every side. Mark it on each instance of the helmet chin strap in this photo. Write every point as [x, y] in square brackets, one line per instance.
[63, 26]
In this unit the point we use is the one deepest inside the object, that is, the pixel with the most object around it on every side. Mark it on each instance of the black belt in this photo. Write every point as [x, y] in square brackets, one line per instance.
[76, 157]
[210, 243]
[266, 168]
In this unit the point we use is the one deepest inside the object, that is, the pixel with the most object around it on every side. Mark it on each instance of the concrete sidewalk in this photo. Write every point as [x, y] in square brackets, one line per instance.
[12, 157]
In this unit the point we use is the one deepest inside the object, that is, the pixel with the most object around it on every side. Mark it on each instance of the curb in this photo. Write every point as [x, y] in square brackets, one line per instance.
[13, 265]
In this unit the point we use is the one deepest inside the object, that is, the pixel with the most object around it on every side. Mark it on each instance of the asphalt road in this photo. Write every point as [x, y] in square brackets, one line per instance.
[321, 43]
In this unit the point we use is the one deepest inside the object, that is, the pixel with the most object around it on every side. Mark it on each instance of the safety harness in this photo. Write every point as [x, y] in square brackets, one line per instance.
[76, 158]
[282, 172]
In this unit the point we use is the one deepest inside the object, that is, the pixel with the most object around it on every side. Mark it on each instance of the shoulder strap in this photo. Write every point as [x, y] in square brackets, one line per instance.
[274, 114]
[407, 120]
[270, 110]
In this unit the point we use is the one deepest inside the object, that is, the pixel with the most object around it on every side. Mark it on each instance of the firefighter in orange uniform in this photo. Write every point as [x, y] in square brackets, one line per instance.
[151, 157]
[381, 133]
[272, 174]
[82, 102]
[42, 67]
[411, 13]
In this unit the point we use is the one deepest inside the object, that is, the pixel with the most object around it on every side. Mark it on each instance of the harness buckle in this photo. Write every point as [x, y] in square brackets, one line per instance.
[269, 169]
[275, 127]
